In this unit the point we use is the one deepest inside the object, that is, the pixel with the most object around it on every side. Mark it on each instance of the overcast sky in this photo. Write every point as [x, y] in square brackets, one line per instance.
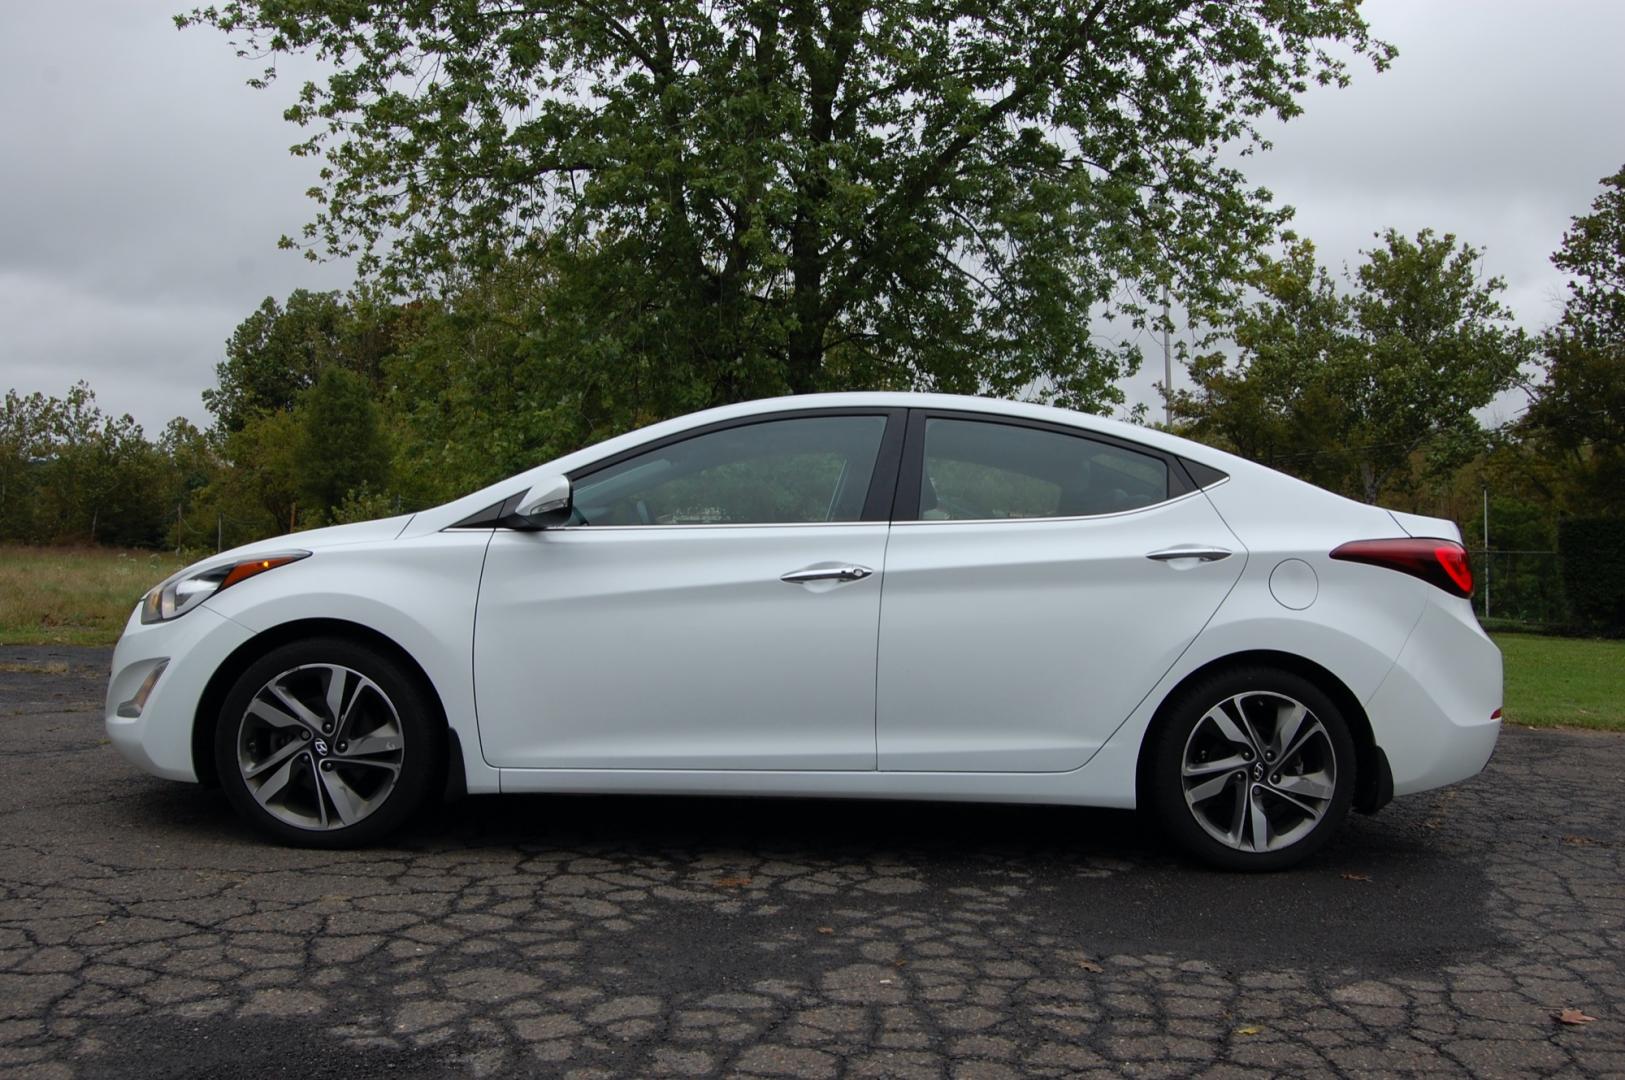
[145, 185]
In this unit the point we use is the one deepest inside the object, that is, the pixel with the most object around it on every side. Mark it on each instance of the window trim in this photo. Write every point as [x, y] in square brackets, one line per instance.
[906, 504]
[877, 501]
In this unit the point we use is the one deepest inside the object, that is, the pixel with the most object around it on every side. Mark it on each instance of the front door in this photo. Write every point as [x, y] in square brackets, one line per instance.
[713, 605]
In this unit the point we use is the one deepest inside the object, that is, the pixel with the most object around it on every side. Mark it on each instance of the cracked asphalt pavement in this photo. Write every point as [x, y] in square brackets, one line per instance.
[145, 932]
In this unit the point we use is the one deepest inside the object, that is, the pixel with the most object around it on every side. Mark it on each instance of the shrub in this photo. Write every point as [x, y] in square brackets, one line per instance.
[1593, 555]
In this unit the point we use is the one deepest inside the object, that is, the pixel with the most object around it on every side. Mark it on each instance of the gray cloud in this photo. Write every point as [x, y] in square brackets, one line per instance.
[145, 185]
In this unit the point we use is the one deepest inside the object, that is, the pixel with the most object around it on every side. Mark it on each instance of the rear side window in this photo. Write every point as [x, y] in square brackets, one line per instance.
[979, 470]
[777, 472]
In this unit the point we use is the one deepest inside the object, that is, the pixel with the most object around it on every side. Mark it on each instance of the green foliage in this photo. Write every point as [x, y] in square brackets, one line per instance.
[1578, 416]
[1365, 389]
[740, 198]
[340, 445]
[257, 491]
[68, 471]
[1593, 554]
[364, 504]
[278, 352]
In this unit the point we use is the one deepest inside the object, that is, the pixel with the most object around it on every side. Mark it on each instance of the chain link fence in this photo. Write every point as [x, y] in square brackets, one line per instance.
[1519, 589]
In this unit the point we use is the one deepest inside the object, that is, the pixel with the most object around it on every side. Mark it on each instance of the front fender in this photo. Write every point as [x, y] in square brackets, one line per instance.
[418, 592]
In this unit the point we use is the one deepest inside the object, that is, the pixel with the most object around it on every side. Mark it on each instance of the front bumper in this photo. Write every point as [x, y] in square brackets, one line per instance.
[1436, 715]
[190, 649]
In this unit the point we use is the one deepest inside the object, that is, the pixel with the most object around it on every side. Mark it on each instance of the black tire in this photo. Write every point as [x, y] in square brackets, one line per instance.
[1232, 782]
[398, 748]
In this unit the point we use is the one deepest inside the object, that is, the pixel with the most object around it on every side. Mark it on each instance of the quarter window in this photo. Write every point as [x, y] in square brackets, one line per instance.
[979, 470]
[778, 472]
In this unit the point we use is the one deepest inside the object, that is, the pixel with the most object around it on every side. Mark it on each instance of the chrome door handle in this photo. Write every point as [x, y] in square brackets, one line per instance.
[826, 573]
[1205, 554]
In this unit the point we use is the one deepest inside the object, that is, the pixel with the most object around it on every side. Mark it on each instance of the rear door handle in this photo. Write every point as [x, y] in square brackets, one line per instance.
[1204, 554]
[826, 573]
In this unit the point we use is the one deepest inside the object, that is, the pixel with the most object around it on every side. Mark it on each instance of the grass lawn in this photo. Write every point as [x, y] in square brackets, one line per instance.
[83, 596]
[74, 596]
[1564, 682]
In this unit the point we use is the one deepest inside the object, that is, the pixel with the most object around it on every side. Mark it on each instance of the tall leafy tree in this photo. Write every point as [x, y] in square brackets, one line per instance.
[752, 196]
[274, 355]
[1579, 411]
[342, 446]
[279, 351]
[1352, 385]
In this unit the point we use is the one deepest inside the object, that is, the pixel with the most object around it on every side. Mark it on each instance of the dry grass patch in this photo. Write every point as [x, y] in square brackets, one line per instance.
[74, 596]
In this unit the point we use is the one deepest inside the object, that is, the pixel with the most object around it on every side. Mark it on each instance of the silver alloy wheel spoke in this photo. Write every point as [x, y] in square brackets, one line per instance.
[294, 706]
[1286, 730]
[1259, 771]
[275, 758]
[1205, 768]
[1209, 789]
[273, 784]
[349, 806]
[320, 746]
[1292, 751]
[271, 714]
[1310, 786]
[366, 745]
[1262, 833]
[337, 679]
[1220, 719]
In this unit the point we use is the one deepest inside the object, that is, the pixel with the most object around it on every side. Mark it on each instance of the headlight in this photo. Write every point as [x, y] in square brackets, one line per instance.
[189, 588]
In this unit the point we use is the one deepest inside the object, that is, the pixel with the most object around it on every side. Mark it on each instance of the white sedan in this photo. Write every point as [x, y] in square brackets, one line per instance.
[852, 595]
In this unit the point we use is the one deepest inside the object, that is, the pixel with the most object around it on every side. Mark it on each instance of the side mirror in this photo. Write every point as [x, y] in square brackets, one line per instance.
[544, 506]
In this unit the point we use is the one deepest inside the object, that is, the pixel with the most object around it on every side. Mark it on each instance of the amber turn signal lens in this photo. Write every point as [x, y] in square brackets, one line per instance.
[246, 570]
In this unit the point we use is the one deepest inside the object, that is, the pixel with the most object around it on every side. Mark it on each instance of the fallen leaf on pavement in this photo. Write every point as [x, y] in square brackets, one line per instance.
[1351, 876]
[1572, 1016]
[1249, 1029]
[826, 929]
[1090, 965]
[1578, 841]
[732, 882]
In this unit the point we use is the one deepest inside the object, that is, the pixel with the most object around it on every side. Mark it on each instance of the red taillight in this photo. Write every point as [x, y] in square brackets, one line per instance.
[1437, 562]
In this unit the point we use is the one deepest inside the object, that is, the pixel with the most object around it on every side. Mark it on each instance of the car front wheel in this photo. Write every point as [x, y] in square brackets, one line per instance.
[326, 743]
[1252, 769]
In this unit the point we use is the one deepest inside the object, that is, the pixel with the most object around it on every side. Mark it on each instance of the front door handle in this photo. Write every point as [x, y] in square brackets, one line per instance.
[826, 573]
[1204, 554]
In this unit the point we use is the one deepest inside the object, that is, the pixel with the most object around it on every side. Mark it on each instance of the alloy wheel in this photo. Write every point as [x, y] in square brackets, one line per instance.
[1259, 771]
[320, 746]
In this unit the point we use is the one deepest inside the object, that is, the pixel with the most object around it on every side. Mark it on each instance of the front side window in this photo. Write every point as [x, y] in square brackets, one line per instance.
[777, 472]
[979, 470]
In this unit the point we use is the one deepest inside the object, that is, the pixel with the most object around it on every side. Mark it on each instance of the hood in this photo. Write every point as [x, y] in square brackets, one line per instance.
[358, 532]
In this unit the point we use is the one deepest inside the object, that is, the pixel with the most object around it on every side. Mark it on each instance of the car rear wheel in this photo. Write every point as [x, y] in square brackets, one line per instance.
[1252, 769]
[326, 743]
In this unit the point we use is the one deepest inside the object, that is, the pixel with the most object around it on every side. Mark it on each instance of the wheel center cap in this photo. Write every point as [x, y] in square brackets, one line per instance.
[320, 746]
[1258, 770]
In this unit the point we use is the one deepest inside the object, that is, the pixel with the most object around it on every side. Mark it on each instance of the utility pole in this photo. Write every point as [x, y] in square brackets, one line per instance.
[1167, 366]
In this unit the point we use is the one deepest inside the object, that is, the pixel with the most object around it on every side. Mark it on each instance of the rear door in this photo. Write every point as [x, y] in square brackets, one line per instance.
[1039, 583]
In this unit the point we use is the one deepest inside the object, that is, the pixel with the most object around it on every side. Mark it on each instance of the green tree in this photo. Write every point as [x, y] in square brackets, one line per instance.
[341, 444]
[280, 350]
[274, 355]
[1363, 388]
[26, 426]
[746, 197]
[257, 490]
[1579, 411]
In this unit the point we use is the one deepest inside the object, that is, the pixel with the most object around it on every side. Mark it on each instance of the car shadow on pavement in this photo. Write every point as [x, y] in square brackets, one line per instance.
[1392, 886]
